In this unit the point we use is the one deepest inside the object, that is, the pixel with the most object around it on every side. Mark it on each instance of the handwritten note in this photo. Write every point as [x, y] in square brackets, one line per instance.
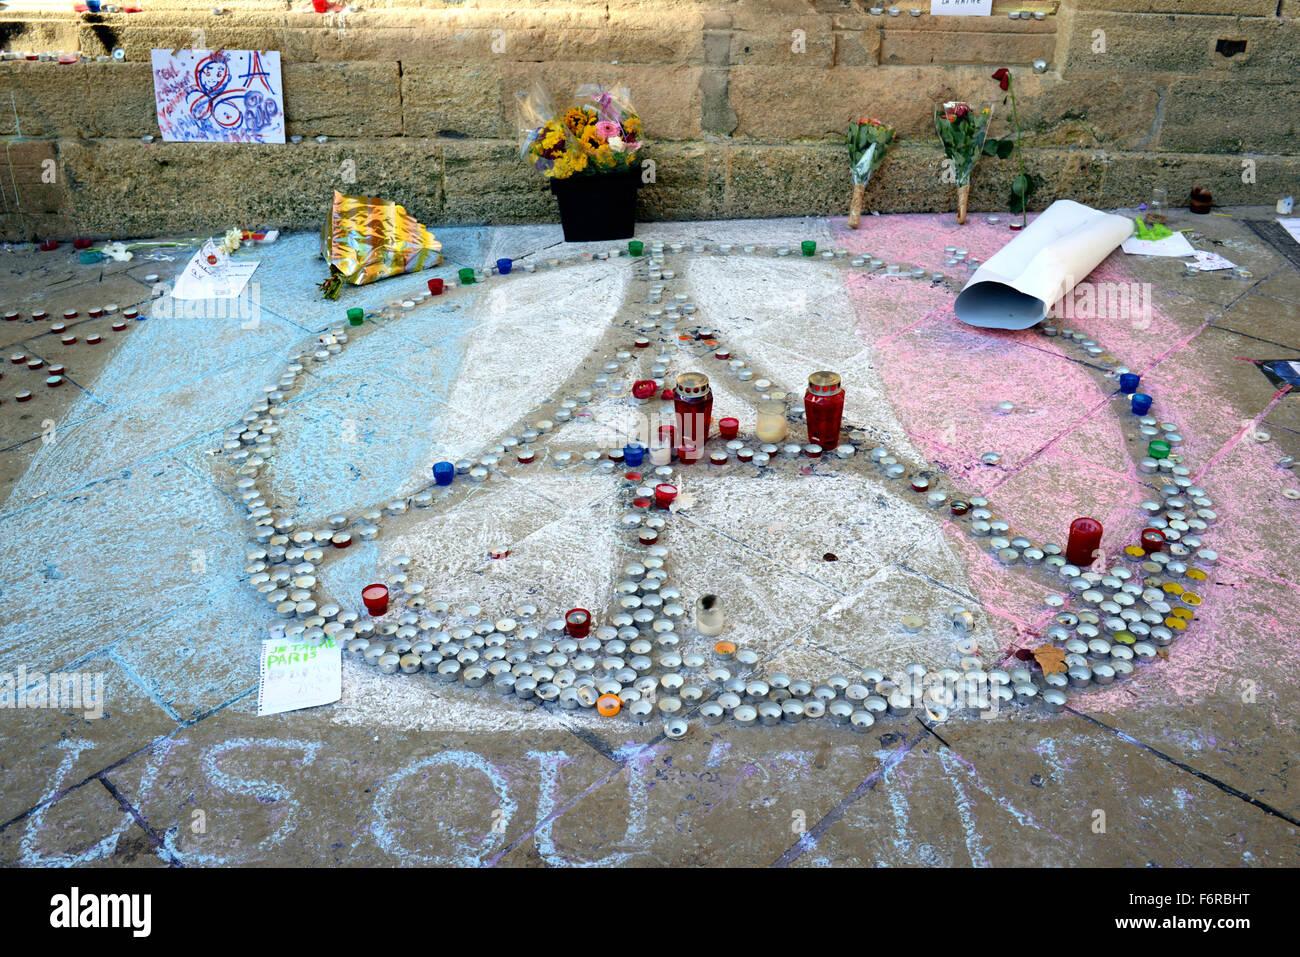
[961, 8]
[219, 96]
[212, 274]
[298, 673]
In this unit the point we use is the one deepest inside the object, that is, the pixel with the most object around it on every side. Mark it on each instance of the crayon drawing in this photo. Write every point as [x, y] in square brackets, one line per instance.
[219, 96]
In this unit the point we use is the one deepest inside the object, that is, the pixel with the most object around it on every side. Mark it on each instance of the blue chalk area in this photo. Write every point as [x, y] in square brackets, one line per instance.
[360, 441]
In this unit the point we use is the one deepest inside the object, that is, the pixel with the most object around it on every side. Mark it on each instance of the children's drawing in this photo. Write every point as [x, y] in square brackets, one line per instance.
[219, 96]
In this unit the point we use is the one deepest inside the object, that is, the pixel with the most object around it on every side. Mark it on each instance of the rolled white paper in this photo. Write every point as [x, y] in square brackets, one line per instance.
[1016, 286]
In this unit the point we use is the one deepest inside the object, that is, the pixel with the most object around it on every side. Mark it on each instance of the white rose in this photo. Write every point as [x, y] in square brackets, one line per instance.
[616, 144]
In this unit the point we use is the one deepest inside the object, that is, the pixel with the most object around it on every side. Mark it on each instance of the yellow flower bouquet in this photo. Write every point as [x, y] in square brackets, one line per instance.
[590, 154]
[599, 133]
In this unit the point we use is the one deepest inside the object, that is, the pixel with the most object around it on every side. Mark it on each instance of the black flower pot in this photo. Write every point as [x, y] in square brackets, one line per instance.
[597, 207]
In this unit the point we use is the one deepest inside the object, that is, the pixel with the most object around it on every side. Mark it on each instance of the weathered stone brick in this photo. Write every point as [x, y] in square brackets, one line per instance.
[1244, 8]
[1207, 115]
[805, 42]
[930, 46]
[444, 100]
[176, 187]
[342, 99]
[1169, 43]
[487, 182]
[689, 183]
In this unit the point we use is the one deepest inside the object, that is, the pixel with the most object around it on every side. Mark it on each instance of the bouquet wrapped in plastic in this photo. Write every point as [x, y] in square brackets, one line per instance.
[962, 132]
[869, 140]
[599, 133]
[366, 238]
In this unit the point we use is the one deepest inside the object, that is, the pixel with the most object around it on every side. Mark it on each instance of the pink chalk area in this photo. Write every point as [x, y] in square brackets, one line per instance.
[1064, 451]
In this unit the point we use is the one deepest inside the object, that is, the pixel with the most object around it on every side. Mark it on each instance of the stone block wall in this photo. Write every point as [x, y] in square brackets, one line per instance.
[744, 103]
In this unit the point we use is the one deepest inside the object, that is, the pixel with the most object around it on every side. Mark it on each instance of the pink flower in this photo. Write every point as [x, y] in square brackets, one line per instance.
[608, 130]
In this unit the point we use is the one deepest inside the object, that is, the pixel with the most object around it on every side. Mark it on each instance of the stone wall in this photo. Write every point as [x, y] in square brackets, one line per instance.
[744, 103]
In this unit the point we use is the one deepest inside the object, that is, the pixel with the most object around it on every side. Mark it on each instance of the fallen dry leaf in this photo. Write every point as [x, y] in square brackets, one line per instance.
[1162, 653]
[1050, 658]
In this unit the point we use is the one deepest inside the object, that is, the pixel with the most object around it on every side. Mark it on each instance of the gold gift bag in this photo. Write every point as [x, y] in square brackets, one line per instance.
[366, 238]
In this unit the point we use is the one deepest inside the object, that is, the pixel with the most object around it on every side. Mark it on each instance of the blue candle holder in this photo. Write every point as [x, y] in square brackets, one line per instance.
[504, 266]
[1128, 382]
[1141, 403]
[443, 472]
[633, 453]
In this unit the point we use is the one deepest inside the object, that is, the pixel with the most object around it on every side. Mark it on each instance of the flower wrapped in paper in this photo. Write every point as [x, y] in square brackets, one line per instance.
[366, 238]
[868, 141]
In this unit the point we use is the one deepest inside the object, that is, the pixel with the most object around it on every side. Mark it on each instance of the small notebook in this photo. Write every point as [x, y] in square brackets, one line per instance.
[298, 673]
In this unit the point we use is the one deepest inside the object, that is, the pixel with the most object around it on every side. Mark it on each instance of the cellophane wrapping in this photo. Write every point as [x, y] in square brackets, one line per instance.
[366, 238]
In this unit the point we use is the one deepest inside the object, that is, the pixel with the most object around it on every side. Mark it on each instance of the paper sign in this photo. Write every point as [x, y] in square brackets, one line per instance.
[1210, 262]
[1292, 226]
[961, 8]
[1175, 245]
[298, 673]
[212, 274]
[221, 96]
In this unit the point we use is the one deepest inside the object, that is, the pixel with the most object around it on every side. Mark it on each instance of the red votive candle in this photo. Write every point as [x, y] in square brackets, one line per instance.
[665, 494]
[729, 427]
[1084, 542]
[577, 622]
[688, 454]
[435, 286]
[376, 599]
[1153, 540]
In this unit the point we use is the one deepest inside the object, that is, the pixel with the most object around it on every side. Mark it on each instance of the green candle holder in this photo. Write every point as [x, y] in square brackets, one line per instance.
[356, 316]
[1158, 449]
[635, 247]
[808, 246]
[466, 276]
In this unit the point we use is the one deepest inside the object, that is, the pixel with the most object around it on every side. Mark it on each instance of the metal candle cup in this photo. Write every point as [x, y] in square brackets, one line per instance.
[376, 599]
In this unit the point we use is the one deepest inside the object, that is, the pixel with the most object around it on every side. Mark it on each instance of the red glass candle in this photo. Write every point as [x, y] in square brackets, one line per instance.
[823, 406]
[688, 454]
[376, 599]
[667, 436]
[435, 286]
[665, 494]
[694, 408]
[729, 428]
[1153, 540]
[577, 622]
[1084, 542]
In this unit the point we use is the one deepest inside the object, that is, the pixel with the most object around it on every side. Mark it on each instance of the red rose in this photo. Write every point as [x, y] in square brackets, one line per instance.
[1003, 76]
